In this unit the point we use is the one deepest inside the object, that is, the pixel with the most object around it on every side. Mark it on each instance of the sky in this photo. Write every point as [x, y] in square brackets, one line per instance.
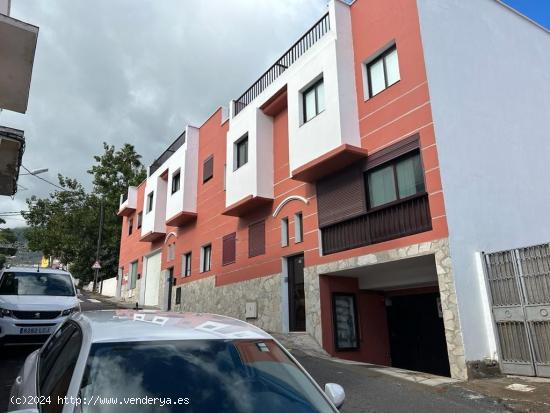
[138, 71]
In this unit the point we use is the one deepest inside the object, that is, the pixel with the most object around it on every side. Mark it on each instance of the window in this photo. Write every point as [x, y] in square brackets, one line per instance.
[298, 227]
[186, 264]
[178, 295]
[139, 219]
[382, 72]
[171, 252]
[57, 361]
[256, 239]
[396, 180]
[313, 100]
[133, 275]
[206, 258]
[176, 182]
[208, 169]
[345, 321]
[130, 225]
[229, 248]
[149, 207]
[284, 232]
[241, 152]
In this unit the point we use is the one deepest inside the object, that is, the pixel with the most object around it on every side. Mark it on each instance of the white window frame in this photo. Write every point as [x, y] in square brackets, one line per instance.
[206, 264]
[284, 232]
[298, 227]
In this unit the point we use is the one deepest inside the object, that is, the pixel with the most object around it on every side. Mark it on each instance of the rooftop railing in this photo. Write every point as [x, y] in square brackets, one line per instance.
[167, 153]
[311, 37]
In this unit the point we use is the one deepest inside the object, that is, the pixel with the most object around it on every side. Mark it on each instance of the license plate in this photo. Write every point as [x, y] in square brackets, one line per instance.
[35, 330]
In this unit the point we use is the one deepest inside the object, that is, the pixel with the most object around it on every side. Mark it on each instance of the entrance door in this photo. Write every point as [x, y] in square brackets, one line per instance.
[169, 283]
[296, 295]
[152, 279]
[519, 285]
[417, 334]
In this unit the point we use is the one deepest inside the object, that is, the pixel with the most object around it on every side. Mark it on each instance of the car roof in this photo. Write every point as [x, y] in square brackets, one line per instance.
[35, 269]
[124, 325]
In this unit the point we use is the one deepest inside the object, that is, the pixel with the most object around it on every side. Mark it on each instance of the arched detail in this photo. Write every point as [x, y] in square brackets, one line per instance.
[287, 200]
[170, 234]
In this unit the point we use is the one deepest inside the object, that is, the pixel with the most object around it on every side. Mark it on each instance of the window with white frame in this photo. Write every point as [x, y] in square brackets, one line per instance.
[206, 258]
[186, 264]
[313, 100]
[149, 207]
[241, 152]
[284, 232]
[171, 252]
[298, 227]
[382, 72]
[176, 182]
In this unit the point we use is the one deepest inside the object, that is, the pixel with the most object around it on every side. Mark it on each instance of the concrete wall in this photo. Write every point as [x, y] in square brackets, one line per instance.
[108, 287]
[489, 79]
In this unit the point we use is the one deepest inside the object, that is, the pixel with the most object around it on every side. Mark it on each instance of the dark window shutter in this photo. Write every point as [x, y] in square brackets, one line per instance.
[341, 196]
[229, 248]
[394, 151]
[178, 296]
[208, 169]
[256, 239]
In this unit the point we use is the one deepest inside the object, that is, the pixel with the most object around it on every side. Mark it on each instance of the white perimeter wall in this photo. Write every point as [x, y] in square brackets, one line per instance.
[489, 80]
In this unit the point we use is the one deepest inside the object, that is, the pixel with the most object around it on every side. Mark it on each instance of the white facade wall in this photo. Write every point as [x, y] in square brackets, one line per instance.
[185, 159]
[489, 79]
[331, 58]
[131, 200]
[5, 7]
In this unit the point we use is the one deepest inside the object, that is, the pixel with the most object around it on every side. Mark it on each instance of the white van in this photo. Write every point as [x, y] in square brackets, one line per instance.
[33, 302]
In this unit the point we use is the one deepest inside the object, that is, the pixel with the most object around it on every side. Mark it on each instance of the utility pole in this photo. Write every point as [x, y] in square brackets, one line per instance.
[98, 243]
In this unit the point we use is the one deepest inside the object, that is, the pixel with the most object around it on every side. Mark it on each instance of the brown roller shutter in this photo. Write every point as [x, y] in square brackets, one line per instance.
[394, 151]
[256, 239]
[208, 168]
[341, 196]
[229, 248]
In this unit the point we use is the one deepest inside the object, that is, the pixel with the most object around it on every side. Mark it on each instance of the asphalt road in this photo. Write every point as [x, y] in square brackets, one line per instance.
[366, 390]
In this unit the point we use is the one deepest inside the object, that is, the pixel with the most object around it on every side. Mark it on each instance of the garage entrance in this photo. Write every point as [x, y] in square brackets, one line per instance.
[152, 279]
[416, 333]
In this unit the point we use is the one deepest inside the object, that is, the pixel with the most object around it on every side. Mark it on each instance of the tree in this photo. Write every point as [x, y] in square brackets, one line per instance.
[65, 225]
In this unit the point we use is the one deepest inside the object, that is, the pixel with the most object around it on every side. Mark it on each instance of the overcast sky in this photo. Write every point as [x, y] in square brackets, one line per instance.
[138, 72]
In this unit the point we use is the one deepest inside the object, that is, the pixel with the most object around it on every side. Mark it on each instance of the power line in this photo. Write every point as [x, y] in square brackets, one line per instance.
[43, 179]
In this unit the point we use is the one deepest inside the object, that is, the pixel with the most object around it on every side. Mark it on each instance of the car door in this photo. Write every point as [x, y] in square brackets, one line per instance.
[56, 365]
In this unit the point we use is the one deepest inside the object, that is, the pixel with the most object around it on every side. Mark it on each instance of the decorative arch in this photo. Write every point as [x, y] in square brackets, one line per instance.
[287, 200]
[170, 234]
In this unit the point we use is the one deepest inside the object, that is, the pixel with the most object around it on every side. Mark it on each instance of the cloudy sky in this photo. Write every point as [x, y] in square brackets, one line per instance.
[138, 72]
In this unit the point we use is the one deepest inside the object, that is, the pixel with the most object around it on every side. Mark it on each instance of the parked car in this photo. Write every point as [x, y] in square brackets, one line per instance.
[127, 361]
[33, 302]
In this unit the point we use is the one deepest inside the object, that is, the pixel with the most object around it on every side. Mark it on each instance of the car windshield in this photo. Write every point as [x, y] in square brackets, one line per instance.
[197, 376]
[36, 283]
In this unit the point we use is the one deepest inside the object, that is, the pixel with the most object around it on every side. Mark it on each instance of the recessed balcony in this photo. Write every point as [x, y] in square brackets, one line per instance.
[17, 47]
[329, 163]
[128, 202]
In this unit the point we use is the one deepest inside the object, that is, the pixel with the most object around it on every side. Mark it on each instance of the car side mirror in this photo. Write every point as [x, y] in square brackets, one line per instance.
[336, 394]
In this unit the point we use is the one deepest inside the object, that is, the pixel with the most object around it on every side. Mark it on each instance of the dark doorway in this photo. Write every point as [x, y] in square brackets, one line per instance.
[170, 284]
[296, 296]
[417, 335]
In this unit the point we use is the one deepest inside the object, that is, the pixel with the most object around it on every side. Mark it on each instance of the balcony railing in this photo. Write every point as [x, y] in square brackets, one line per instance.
[384, 223]
[167, 153]
[311, 37]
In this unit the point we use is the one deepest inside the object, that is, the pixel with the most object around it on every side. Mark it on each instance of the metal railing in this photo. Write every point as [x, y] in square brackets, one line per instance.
[311, 37]
[167, 153]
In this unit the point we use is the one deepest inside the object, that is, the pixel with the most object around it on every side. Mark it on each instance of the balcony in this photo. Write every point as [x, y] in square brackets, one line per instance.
[17, 48]
[303, 44]
[384, 223]
[128, 202]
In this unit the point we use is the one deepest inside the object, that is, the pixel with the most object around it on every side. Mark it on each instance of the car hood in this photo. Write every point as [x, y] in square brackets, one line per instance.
[37, 302]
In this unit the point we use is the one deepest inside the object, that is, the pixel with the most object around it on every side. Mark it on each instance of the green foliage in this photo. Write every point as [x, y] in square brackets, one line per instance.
[66, 224]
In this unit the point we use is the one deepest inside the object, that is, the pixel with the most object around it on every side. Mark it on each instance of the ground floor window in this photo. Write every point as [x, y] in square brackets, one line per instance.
[345, 321]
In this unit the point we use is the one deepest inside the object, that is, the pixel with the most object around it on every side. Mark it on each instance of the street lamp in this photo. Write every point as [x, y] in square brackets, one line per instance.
[36, 171]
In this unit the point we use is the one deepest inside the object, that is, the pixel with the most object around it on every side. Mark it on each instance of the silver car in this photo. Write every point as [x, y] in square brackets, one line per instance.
[148, 361]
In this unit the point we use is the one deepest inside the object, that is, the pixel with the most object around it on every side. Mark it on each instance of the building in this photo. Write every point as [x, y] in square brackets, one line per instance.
[17, 47]
[357, 189]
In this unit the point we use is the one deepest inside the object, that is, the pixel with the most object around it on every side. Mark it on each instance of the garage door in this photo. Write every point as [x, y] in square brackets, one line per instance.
[152, 279]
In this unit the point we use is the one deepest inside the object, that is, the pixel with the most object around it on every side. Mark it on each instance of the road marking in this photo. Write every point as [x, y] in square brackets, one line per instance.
[93, 300]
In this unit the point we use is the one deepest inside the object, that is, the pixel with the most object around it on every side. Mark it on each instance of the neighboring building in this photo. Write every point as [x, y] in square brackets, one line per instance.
[354, 191]
[17, 46]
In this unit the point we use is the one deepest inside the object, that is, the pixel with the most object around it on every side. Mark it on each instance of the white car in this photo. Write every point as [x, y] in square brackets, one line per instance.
[33, 302]
[149, 361]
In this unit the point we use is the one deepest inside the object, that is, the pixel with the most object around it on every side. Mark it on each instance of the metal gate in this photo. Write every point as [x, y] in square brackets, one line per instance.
[519, 284]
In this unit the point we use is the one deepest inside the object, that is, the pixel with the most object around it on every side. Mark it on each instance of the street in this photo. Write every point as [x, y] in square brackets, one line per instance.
[366, 390]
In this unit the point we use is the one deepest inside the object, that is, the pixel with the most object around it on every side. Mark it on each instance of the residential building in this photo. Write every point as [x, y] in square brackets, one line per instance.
[17, 46]
[356, 190]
